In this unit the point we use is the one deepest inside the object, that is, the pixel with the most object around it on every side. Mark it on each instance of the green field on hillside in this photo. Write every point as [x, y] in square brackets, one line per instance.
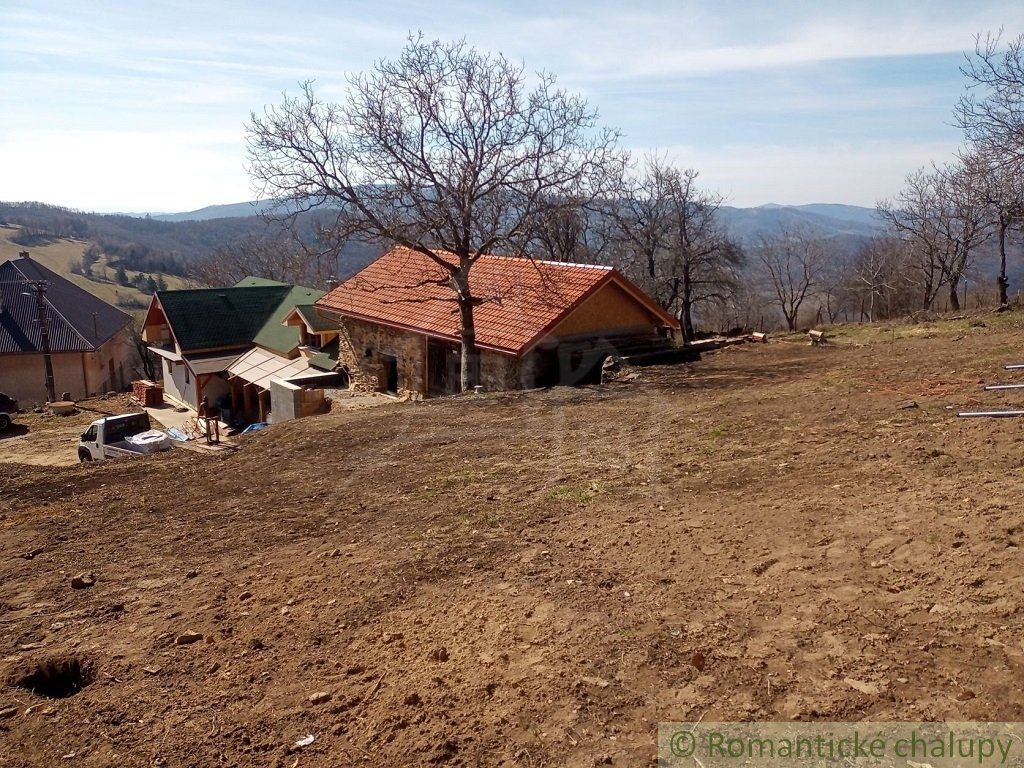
[60, 255]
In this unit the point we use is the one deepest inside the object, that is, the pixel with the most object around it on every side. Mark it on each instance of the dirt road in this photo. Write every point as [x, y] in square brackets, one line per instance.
[533, 579]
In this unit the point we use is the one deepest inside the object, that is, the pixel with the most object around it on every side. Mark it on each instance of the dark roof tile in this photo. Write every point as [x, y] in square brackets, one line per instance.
[78, 321]
[220, 318]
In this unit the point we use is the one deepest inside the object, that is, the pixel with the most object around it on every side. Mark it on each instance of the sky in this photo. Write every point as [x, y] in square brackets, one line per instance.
[142, 106]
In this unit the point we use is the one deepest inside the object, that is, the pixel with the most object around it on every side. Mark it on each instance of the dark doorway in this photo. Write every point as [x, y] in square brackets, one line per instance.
[443, 368]
[390, 363]
[568, 365]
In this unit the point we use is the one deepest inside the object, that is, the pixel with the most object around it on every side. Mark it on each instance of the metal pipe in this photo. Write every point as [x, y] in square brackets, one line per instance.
[1014, 367]
[993, 387]
[990, 414]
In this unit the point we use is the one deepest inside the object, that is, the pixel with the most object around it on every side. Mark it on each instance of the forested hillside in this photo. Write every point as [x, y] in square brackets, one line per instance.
[151, 246]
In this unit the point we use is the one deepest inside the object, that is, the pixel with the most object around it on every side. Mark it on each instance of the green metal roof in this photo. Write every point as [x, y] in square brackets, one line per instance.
[327, 358]
[317, 323]
[282, 338]
[258, 282]
[248, 313]
[219, 318]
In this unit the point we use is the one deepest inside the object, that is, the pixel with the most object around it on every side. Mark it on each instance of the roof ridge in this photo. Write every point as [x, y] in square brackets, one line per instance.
[549, 262]
[509, 257]
[230, 288]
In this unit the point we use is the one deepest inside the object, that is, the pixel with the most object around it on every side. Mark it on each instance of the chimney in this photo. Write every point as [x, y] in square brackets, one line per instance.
[24, 255]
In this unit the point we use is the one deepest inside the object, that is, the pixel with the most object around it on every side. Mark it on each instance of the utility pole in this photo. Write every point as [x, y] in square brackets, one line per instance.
[39, 286]
[39, 289]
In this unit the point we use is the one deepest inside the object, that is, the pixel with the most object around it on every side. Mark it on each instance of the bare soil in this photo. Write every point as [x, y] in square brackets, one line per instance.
[48, 440]
[536, 578]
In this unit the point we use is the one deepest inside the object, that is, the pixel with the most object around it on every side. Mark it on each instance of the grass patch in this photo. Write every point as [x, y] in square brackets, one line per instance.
[579, 493]
[970, 321]
[458, 479]
[720, 430]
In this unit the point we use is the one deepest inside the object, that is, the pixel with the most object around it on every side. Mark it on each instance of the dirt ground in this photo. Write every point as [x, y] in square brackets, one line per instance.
[48, 440]
[534, 579]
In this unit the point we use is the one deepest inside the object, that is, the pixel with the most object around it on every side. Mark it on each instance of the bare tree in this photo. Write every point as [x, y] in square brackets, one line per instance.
[704, 260]
[914, 214]
[879, 280]
[991, 111]
[141, 347]
[580, 236]
[676, 246]
[275, 256]
[643, 213]
[1002, 186]
[445, 150]
[792, 262]
[834, 293]
[964, 221]
[944, 211]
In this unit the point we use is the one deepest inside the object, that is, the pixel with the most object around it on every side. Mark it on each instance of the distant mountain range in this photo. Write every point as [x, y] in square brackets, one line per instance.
[167, 243]
[845, 221]
[227, 211]
[745, 224]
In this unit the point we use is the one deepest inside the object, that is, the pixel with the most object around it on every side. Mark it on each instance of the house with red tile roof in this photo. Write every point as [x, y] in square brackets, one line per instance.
[538, 323]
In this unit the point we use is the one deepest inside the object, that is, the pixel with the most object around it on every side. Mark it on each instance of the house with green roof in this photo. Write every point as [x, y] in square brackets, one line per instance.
[228, 345]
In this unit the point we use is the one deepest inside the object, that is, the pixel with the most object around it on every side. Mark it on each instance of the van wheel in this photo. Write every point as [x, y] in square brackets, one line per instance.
[84, 456]
[5, 421]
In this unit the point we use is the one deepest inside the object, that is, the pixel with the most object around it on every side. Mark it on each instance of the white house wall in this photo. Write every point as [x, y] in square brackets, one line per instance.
[175, 384]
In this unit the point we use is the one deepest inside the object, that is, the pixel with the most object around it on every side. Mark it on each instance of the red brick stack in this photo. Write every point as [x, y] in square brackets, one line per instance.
[148, 393]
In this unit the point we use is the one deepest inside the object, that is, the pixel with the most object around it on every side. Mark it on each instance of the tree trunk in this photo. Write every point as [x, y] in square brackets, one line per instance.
[1004, 283]
[686, 308]
[470, 363]
[954, 295]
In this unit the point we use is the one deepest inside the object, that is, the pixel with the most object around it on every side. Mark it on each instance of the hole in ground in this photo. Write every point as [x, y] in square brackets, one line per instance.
[57, 677]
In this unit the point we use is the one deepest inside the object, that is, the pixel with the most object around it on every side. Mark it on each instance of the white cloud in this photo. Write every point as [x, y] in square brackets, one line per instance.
[851, 173]
[112, 105]
[123, 171]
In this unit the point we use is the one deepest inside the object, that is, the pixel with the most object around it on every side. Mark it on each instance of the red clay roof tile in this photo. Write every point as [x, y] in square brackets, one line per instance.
[521, 298]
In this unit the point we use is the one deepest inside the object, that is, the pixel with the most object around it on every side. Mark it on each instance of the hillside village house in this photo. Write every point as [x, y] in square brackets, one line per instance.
[91, 349]
[539, 323]
[231, 347]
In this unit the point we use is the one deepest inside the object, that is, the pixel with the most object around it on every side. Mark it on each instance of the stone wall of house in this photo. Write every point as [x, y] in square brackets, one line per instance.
[362, 346]
[499, 372]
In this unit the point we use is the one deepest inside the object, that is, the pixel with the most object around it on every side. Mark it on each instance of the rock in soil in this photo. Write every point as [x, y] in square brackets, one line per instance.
[82, 581]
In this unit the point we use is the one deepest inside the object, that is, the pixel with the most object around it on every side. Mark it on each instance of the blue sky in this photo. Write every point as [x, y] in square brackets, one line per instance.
[128, 106]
